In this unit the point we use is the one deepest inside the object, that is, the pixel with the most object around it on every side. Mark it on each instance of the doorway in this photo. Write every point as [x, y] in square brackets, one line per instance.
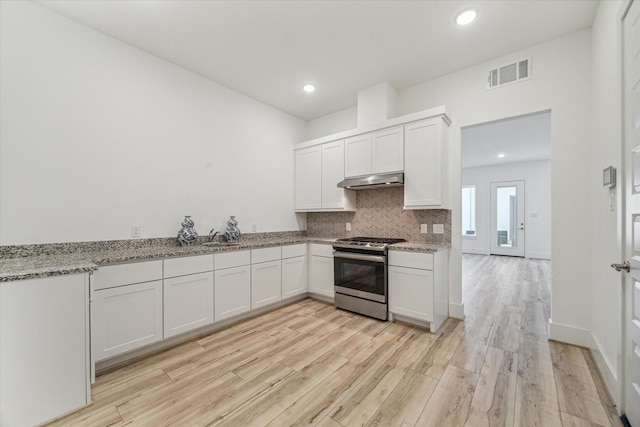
[507, 218]
[500, 160]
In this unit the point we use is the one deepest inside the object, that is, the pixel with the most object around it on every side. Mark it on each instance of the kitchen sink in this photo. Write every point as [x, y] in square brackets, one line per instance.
[220, 244]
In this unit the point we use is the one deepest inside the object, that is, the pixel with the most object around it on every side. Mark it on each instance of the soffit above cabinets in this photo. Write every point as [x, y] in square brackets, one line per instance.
[269, 49]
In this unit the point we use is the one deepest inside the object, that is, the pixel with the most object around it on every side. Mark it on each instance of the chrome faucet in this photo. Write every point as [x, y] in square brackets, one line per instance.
[213, 235]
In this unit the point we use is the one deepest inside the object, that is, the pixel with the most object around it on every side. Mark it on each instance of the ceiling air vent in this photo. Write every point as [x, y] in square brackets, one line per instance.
[510, 73]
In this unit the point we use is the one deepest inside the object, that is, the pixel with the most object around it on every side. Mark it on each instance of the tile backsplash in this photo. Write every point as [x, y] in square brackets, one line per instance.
[379, 213]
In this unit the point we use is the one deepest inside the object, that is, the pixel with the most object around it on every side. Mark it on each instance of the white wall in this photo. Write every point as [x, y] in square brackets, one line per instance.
[561, 83]
[561, 79]
[333, 123]
[96, 135]
[537, 205]
[606, 226]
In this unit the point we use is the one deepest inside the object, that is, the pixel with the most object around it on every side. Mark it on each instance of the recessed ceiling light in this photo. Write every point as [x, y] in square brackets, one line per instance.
[466, 17]
[501, 155]
[309, 88]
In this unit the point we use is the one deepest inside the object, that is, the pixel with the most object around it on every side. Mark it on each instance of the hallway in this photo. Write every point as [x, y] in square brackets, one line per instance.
[507, 304]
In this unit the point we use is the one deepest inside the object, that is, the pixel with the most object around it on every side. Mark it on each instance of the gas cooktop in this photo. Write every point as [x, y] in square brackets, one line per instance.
[370, 242]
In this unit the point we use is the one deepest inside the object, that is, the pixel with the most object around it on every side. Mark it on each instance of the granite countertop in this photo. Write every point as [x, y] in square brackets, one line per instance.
[29, 267]
[419, 247]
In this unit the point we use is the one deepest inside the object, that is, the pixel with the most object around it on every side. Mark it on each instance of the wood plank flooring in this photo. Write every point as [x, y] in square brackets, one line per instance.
[310, 364]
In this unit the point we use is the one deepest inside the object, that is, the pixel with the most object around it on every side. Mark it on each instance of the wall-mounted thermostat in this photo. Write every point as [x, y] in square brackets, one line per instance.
[609, 177]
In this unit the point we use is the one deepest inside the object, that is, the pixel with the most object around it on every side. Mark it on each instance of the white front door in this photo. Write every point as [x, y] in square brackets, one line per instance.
[631, 377]
[507, 218]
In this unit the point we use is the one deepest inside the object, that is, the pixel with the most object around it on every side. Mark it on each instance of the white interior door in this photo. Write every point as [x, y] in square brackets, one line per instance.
[507, 218]
[631, 336]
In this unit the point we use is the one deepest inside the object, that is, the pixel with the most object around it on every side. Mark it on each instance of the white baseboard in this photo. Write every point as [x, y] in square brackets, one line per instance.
[570, 335]
[609, 375]
[538, 255]
[475, 251]
[456, 310]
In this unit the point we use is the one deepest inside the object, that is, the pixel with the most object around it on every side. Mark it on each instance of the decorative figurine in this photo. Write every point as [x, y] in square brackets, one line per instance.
[187, 235]
[232, 234]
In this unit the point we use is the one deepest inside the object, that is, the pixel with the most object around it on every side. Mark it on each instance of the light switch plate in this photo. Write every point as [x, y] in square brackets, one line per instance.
[424, 228]
[438, 228]
[348, 226]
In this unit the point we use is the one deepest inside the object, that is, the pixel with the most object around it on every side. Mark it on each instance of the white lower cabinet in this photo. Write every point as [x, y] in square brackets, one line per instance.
[295, 272]
[411, 292]
[126, 318]
[44, 356]
[321, 270]
[418, 286]
[294, 276]
[188, 303]
[232, 292]
[266, 283]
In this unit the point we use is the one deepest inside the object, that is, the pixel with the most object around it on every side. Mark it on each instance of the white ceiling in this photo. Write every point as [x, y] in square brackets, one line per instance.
[269, 49]
[520, 139]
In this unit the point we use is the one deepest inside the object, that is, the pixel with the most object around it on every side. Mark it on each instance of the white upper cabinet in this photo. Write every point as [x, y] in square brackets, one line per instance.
[415, 144]
[388, 150]
[319, 169]
[357, 155]
[308, 180]
[377, 152]
[332, 173]
[425, 165]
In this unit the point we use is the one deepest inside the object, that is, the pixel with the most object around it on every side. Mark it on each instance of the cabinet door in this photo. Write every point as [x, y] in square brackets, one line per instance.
[44, 352]
[332, 174]
[188, 303]
[308, 178]
[423, 165]
[232, 292]
[411, 293]
[388, 150]
[126, 318]
[357, 155]
[266, 283]
[294, 276]
[321, 277]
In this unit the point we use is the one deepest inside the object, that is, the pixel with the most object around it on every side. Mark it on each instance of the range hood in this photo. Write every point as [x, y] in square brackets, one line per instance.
[373, 181]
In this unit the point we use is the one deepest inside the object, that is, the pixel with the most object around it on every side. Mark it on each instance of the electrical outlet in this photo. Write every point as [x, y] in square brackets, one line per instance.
[438, 228]
[348, 226]
[136, 231]
[254, 228]
[424, 229]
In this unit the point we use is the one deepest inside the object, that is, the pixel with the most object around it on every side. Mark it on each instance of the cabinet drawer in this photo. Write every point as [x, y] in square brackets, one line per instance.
[322, 250]
[420, 260]
[231, 259]
[112, 276]
[188, 265]
[293, 251]
[265, 255]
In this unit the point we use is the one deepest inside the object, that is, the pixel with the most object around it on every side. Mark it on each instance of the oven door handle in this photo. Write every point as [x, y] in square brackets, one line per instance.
[359, 257]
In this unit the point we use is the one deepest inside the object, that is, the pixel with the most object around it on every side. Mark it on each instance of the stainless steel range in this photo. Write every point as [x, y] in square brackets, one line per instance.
[360, 275]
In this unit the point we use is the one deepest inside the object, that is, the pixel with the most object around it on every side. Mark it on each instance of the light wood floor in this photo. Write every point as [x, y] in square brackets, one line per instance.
[309, 363]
